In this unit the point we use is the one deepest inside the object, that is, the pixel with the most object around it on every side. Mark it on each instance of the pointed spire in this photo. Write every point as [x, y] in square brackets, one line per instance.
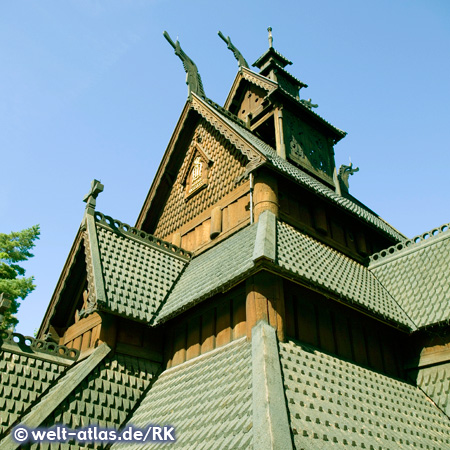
[270, 37]
[193, 79]
[91, 196]
[237, 54]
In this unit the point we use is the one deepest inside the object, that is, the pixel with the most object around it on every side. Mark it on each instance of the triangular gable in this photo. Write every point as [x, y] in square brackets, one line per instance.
[246, 78]
[219, 142]
[116, 268]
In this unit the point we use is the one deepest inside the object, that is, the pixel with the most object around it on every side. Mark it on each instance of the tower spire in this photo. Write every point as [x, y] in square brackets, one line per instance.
[270, 37]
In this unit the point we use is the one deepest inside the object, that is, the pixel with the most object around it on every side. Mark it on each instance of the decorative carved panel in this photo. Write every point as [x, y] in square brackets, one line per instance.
[307, 147]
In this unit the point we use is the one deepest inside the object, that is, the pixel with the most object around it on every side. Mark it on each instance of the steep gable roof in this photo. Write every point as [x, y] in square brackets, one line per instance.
[416, 273]
[138, 269]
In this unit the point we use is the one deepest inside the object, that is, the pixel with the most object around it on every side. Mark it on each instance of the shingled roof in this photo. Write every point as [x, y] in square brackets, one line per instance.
[416, 273]
[331, 270]
[145, 280]
[208, 400]
[295, 254]
[333, 403]
[28, 369]
[138, 269]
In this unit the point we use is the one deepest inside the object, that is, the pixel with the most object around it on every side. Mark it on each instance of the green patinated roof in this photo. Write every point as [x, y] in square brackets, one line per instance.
[138, 271]
[335, 404]
[210, 271]
[208, 400]
[306, 180]
[329, 269]
[107, 395]
[416, 273]
[23, 380]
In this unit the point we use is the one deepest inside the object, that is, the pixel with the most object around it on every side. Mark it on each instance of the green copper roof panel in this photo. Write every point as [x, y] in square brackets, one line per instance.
[208, 400]
[337, 404]
[23, 379]
[137, 276]
[211, 270]
[106, 396]
[309, 182]
[331, 270]
[417, 276]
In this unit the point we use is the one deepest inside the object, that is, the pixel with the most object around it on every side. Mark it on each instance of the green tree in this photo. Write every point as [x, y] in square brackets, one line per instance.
[15, 248]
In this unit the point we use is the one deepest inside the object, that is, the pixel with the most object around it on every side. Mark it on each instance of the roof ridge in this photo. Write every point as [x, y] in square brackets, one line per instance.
[289, 74]
[227, 113]
[32, 346]
[409, 245]
[141, 236]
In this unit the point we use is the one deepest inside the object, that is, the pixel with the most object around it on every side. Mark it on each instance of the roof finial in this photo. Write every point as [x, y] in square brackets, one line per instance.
[270, 37]
[89, 198]
[237, 54]
[193, 79]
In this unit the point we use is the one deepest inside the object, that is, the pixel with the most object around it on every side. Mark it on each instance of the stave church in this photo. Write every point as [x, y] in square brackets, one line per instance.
[255, 303]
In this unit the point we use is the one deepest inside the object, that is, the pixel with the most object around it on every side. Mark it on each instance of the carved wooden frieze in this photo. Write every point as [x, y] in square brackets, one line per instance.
[307, 147]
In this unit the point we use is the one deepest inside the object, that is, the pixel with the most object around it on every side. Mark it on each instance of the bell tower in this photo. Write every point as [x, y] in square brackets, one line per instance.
[272, 108]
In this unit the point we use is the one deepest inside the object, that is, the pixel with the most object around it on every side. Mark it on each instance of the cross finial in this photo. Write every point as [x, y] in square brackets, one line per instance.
[89, 198]
[270, 37]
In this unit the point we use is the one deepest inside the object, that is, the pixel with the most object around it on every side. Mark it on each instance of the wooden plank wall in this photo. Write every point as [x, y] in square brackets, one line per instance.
[302, 210]
[234, 215]
[339, 330]
[83, 334]
[204, 330]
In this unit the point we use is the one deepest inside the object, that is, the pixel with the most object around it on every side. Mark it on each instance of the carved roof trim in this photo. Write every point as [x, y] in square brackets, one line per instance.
[244, 146]
[37, 348]
[254, 78]
[141, 236]
[408, 246]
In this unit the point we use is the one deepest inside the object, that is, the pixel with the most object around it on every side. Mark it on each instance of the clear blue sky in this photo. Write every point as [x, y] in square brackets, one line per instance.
[91, 89]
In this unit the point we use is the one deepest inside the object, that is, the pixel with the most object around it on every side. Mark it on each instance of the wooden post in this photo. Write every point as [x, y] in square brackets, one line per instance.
[216, 222]
[265, 301]
[265, 194]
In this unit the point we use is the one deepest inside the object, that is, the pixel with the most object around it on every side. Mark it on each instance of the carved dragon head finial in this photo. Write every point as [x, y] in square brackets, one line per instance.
[270, 37]
[193, 79]
[237, 54]
[308, 103]
[344, 173]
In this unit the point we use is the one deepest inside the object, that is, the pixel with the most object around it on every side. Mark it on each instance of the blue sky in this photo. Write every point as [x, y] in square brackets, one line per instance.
[91, 89]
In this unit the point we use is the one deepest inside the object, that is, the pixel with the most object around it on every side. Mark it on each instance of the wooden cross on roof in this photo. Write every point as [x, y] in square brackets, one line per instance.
[90, 197]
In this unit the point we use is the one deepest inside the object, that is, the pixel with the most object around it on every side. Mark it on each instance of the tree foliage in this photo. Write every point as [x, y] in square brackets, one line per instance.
[15, 248]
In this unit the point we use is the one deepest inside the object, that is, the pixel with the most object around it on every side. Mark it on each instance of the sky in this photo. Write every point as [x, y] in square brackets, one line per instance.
[91, 89]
